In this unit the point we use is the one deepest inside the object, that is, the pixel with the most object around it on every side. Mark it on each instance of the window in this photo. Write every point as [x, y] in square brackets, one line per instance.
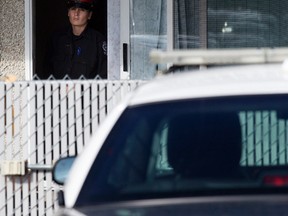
[44, 17]
[205, 24]
[148, 30]
[230, 24]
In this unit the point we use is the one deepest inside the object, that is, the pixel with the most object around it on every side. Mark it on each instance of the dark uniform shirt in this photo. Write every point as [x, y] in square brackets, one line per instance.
[76, 56]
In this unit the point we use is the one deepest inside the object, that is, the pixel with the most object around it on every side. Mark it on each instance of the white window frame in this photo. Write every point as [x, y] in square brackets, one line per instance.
[170, 26]
[124, 36]
[29, 44]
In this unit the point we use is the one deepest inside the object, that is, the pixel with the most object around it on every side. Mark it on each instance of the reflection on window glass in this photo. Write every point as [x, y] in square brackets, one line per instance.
[147, 32]
[264, 139]
[230, 23]
[203, 24]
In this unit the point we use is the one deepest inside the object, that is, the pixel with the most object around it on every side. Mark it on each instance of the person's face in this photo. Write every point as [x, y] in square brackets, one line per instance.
[79, 16]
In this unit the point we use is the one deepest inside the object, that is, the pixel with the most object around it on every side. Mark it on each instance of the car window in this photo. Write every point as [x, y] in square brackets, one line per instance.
[191, 146]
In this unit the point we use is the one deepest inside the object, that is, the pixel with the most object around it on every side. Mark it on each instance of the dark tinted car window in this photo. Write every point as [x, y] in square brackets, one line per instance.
[191, 146]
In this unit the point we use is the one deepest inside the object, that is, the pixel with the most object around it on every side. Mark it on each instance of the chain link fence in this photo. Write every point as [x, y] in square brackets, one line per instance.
[40, 122]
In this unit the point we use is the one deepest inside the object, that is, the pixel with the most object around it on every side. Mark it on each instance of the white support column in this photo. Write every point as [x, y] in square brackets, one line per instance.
[125, 38]
[28, 39]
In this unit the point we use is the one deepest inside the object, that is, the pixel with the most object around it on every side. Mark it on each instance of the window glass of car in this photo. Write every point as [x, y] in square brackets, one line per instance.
[196, 146]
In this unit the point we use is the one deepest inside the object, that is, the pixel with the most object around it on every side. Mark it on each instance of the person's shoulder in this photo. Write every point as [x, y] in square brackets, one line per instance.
[99, 38]
[96, 34]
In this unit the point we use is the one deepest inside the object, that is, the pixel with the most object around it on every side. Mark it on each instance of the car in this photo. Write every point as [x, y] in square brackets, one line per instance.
[208, 142]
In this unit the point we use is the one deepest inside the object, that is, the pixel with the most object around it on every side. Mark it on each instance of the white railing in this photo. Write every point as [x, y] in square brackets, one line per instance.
[41, 121]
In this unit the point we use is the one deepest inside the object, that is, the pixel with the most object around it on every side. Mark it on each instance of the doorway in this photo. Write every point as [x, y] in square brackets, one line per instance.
[51, 16]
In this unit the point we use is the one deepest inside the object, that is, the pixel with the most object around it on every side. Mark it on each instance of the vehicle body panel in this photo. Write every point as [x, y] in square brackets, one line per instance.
[269, 205]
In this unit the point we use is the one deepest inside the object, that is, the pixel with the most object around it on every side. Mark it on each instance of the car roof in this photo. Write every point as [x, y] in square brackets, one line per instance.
[219, 81]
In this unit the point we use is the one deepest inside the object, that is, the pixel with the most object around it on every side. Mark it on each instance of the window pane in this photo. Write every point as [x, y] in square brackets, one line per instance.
[147, 31]
[230, 23]
[186, 24]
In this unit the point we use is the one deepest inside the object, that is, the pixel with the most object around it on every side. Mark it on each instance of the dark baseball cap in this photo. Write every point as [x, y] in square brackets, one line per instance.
[85, 4]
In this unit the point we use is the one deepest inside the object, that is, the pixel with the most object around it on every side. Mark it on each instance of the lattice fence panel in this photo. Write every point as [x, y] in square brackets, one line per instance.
[42, 121]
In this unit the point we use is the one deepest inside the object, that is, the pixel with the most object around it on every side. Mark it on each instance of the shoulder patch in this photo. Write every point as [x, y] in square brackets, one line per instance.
[104, 47]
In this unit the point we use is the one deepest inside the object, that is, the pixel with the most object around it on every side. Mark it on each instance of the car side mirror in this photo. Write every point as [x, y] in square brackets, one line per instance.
[61, 169]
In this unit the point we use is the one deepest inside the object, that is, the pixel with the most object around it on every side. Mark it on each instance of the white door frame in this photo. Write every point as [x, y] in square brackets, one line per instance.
[125, 38]
[125, 14]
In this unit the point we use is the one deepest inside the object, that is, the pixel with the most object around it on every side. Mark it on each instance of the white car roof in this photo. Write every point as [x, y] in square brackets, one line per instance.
[224, 81]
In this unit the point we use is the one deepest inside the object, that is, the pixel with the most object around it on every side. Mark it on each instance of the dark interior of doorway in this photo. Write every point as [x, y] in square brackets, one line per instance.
[52, 15]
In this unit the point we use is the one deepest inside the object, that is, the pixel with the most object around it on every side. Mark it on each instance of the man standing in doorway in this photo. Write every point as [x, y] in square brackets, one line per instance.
[79, 50]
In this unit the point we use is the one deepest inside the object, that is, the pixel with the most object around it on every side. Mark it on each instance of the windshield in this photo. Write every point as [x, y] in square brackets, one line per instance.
[196, 147]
